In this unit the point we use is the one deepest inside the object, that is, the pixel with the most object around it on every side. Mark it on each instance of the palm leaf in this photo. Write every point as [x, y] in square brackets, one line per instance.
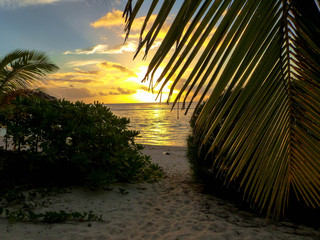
[260, 74]
[20, 68]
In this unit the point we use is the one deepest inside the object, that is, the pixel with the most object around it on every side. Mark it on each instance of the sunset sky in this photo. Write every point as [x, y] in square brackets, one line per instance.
[85, 38]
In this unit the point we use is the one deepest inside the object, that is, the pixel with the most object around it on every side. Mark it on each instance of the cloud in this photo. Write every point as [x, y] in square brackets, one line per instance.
[126, 91]
[25, 3]
[111, 19]
[84, 63]
[103, 94]
[109, 66]
[92, 72]
[104, 81]
[115, 22]
[74, 80]
[74, 77]
[101, 73]
[99, 49]
[118, 91]
[144, 88]
[105, 49]
[70, 92]
[121, 48]
[114, 19]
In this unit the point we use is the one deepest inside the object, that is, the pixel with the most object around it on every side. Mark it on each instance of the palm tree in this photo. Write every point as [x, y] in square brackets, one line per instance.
[258, 63]
[19, 69]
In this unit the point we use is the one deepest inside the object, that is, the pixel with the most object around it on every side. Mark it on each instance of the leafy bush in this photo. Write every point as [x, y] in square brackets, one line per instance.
[212, 178]
[70, 143]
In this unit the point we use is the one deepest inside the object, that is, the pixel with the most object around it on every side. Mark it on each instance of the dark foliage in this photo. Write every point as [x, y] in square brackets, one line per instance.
[212, 179]
[214, 182]
[59, 142]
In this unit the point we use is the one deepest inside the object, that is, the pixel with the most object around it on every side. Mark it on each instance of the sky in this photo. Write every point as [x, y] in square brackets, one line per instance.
[85, 39]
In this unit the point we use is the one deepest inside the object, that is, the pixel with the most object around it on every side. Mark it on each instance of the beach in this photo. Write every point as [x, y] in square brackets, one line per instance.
[173, 208]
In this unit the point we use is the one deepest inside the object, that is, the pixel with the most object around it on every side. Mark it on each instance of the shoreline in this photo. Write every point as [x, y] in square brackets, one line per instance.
[173, 208]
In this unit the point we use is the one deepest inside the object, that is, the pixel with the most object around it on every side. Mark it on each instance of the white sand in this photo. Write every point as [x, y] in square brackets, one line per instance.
[173, 209]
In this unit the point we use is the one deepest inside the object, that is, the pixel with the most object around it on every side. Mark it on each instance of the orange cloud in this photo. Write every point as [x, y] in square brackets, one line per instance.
[111, 19]
[114, 19]
[97, 80]
[109, 66]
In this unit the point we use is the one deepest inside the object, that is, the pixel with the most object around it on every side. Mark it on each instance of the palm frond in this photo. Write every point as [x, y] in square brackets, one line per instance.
[260, 73]
[20, 68]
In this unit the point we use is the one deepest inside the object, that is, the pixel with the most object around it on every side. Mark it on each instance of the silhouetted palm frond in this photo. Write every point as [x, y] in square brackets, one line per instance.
[257, 62]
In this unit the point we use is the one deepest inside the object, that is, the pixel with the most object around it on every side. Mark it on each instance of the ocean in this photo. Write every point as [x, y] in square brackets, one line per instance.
[157, 124]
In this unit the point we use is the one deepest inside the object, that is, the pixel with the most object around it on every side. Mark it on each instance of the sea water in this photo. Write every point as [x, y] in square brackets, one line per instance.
[157, 124]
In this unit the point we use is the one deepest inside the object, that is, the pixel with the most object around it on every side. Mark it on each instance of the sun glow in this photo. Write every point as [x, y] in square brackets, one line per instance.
[145, 95]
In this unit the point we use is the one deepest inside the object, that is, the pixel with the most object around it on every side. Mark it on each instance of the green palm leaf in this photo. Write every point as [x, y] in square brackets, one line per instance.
[260, 75]
[20, 68]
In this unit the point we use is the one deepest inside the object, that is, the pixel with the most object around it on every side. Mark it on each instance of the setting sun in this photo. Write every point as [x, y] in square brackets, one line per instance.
[144, 94]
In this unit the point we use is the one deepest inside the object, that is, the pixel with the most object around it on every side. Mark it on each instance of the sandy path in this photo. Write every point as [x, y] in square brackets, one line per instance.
[170, 209]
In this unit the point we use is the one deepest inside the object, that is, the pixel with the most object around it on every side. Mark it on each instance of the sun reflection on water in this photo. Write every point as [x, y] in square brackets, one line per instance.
[156, 123]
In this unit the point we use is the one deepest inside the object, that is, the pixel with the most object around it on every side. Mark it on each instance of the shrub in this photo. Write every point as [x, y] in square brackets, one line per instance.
[71, 143]
[204, 168]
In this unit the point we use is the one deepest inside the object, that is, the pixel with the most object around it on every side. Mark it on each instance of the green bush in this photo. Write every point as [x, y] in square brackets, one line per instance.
[70, 143]
[212, 178]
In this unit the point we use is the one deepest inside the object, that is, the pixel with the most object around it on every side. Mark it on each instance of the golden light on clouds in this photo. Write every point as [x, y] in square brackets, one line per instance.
[95, 62]
[111, 19]
[114, 20]
[105, 81]
[110, 66]
[106, 71]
